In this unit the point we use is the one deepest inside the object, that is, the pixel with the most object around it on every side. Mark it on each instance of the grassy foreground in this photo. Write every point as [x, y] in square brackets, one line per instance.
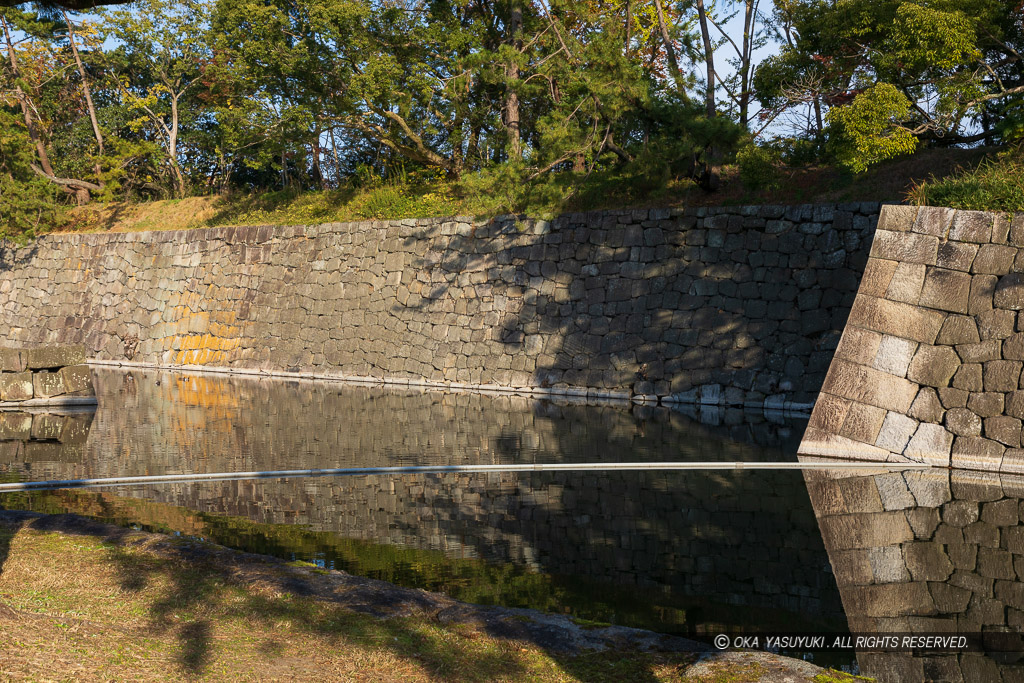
[83, 605]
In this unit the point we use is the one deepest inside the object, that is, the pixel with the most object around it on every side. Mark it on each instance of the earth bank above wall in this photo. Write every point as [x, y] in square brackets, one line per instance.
[738, 305]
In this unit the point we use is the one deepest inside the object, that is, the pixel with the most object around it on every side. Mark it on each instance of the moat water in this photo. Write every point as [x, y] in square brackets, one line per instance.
[692, 553]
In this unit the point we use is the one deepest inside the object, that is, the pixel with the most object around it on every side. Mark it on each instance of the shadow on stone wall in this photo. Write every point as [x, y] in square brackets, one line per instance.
[737, 305]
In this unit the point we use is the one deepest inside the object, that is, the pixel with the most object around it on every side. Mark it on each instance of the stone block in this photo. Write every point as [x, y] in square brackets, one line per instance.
[46, 357]
[996, 324]
[923, 521]
[16, 386]
[894, 355]
[996, 563]
[47, 384]
[994, 259]
[1002, 375]
[829, 412]
[15, 426]
[927, 561]
[956, 255]
[77, 380]
[1001, 512]
[907, 283]
[968, 378]
[951, 397]
[933, 366]
[930, 488]
[887, 565]
[893, 492]
[983, 288]
[972, 226]
[1013, 347]
[958, 329]
[858, 345]
[867, 385]
[990, 349]
[931, 444]
[47, 427]
[863, 422]
[987, 404]
[896, 431]
[946, 290]
[926, 407]
[1015, 404]
[1009, 292]
[949, 599]
[11, 360]
[866, 530]
[899, 218]
[896, 318]
[975, 452]
[963, 422]
[932, 220]
[1004, 429]
[960, 513]
[877, 277]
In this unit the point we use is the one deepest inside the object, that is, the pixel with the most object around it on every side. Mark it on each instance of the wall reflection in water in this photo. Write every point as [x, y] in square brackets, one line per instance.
[685, 552]
[43, 444]
[925, 552]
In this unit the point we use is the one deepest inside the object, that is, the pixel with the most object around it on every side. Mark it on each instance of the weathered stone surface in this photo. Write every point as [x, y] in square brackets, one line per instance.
[902, 218]
[897, 319]
[894, 355]
[896, 432]
[994, 259]
[960, 513]
[930, 220]
[891, 600]
[933, 366]
[11, 360]
[77, 380]
[972, 226]
[43, 357]
[866, 530]
[863, 422]
[1002, 375]
[975, 452]
[931, 444]
[16, 386]
[47, 384]
[946, 290]
[1004, 429]
[927, 407]
[987, 404]
[963, 422]
[906, 283]
[958, 329]
[927, 561]
[968, 378]
[867, 385]
[1009, 292]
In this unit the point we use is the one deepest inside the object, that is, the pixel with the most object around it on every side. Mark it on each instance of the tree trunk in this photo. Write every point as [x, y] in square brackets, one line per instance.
[670, 54]
[709, 58]
[85, 86]
[515, 29]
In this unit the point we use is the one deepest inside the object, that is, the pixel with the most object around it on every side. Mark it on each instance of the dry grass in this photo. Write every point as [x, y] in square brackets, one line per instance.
[78, 607]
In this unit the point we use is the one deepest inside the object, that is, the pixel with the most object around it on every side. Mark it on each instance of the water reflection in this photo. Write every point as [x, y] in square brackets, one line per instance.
[685, 552]
[926, 552]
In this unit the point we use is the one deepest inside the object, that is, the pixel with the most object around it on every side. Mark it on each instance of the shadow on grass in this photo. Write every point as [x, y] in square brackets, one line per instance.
[201, 598]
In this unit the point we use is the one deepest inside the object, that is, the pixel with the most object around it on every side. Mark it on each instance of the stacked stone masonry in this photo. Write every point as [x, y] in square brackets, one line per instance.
[926, 552]
[929, 365]
[719, 306]
[44, 374]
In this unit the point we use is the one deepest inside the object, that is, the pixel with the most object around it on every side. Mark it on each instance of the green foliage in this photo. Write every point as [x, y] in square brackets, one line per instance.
[27, 205]
[759, 166]
[867, 131]
[995, 185]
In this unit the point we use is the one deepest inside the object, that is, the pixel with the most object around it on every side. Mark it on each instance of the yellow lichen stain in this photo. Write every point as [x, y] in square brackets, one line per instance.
[212, 346]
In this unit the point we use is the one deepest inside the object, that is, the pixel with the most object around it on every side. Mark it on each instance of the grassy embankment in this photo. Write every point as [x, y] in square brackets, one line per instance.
[971, 179]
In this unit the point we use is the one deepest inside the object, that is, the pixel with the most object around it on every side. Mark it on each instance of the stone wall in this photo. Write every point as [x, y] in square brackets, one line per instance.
[929, 366]
[934, 551]
[720, 306]
[43, 375]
